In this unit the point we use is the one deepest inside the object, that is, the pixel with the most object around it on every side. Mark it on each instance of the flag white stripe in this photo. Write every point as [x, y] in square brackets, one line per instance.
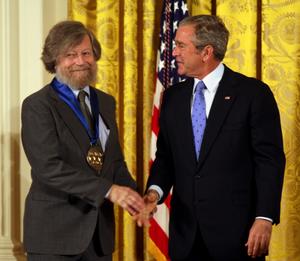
[162, 218]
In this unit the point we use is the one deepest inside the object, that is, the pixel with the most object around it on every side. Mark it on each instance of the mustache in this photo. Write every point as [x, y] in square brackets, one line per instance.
[79, 68]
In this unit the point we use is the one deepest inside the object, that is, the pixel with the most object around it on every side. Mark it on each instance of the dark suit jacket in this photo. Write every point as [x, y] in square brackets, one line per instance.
[67, 197]
[239, 174]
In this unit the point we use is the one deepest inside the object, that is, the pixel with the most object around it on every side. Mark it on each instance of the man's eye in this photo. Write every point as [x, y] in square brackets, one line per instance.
[87, 53]
[71, 55]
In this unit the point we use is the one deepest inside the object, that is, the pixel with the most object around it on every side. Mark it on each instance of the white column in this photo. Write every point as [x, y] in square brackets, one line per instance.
[9, 164]
[23, 28]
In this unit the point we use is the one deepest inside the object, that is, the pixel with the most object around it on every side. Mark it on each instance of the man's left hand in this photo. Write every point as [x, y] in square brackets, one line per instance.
[259, 238]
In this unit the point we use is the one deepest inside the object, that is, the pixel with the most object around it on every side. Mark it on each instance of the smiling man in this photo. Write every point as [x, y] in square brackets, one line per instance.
[70, 138]
[220, 147]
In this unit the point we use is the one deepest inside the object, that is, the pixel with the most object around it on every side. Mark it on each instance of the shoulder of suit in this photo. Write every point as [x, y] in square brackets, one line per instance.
[40, 99]
[40, 94]
[244, 80]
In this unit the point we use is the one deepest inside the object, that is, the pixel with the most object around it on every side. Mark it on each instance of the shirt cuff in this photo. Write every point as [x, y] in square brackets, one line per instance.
[107, 194]
[158, 190]
[265, 218]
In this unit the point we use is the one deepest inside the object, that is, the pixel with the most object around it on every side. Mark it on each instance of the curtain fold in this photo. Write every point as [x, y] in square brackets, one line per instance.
[264, 43]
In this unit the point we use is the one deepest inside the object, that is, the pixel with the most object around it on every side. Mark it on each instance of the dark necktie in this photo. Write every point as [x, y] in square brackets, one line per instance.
[85, 110]
[198, 116]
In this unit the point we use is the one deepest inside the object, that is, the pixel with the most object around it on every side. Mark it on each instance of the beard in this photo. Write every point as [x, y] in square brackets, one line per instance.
[77, 76]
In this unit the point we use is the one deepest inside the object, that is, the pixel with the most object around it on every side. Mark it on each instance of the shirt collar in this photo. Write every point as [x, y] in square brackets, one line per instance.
[213, 79]
[76, 91]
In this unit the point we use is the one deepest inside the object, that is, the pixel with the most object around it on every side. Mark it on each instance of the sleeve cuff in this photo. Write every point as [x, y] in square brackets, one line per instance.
[158, 190]
[265, 218]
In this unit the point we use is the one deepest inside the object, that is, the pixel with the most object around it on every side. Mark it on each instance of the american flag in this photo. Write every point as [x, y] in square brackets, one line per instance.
[172, 13]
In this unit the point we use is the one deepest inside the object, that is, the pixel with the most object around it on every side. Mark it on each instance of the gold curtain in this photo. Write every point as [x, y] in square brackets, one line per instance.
[264, 43]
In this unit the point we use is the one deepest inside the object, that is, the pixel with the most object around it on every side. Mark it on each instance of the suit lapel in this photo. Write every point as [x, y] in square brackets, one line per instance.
[221, 106]
[71, 120]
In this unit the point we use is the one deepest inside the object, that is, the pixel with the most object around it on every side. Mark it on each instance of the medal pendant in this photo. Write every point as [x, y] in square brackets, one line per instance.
[95, 157]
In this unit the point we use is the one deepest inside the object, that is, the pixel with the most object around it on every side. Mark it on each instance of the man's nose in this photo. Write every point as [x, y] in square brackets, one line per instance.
[175, 52]
[80, 59]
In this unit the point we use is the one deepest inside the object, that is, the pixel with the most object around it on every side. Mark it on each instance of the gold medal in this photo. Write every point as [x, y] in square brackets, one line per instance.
[95, 157]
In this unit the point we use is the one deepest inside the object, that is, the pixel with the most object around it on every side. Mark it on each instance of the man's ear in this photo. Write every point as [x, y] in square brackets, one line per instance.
[207, 53]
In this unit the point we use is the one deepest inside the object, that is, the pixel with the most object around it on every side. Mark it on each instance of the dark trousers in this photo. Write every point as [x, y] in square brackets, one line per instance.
[92, 253]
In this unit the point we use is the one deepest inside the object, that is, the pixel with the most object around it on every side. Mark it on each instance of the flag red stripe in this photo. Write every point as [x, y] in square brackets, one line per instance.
[161, 239]
[168, 201]
[155, 118]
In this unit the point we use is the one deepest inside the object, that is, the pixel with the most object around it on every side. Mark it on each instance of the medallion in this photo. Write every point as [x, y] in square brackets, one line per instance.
[95, 157]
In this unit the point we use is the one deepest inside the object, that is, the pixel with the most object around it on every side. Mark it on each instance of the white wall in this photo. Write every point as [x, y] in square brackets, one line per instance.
[24, 25]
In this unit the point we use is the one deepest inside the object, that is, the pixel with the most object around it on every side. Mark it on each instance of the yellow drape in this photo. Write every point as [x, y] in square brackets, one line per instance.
[281, 70]
[264, 43]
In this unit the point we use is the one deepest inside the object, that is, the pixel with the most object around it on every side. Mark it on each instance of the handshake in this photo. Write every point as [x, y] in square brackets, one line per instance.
[141, 209]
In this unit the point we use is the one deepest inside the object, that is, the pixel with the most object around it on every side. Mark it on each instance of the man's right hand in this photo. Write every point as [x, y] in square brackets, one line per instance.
[150, 200]
[126, 198]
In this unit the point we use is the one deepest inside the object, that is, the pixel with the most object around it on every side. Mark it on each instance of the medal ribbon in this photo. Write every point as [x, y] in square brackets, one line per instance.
[66, 94]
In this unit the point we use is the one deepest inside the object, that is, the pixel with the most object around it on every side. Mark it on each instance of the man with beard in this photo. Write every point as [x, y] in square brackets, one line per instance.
[70, 138]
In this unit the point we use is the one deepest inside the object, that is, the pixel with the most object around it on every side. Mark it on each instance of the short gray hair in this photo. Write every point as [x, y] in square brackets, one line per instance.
[209, 30]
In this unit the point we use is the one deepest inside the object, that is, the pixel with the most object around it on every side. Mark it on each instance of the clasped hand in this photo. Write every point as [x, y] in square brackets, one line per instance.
[141, 209]
[150, 201]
